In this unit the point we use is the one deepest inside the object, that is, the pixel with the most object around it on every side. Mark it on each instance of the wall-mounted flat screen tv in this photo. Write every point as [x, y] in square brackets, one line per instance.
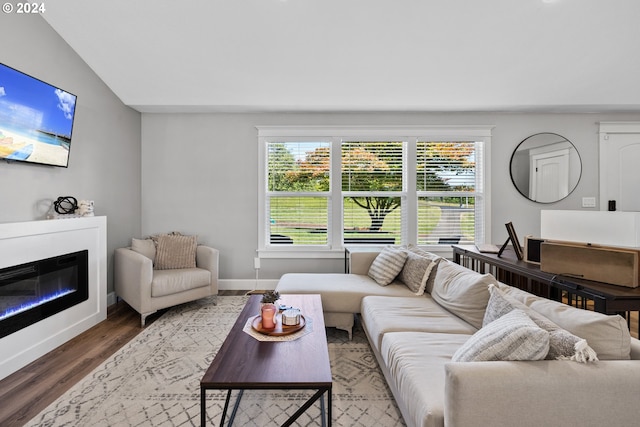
[36, 119]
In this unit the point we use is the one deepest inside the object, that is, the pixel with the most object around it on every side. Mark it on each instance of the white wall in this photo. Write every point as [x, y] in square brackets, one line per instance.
[104, 163]
[199, 175]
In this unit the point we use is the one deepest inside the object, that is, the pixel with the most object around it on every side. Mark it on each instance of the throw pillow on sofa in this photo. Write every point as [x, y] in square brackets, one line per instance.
[461, 291]
[416, 272]
[608, 335]
[562, 344]
[386, 266]
[175, 251]
[513, 336]
[428, 255]
[419, 269]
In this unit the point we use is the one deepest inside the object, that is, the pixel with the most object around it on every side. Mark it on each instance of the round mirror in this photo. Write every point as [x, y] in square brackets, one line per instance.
[545, 167]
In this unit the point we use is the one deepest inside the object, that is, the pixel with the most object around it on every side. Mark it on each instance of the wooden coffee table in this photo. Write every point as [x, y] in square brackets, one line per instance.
[244, 363]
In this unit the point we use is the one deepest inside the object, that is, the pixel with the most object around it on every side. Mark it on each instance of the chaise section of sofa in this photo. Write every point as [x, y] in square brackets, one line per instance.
[342, 294]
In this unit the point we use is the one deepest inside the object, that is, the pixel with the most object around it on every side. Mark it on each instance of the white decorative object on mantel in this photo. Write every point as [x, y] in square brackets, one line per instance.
[85, 208]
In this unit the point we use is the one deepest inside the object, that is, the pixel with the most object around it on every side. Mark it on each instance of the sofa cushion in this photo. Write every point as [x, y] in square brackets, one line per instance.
[607, 335]
[340, 293]
[175, 251]
[173, 281]
[513, 336]
[416, 361]
[562, 343]
[417, 270]
[386, 266]
[462, 291]
[381, 315]
[145, 247]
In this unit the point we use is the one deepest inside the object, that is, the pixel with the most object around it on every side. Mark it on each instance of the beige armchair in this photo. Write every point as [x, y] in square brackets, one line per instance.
[148, 290]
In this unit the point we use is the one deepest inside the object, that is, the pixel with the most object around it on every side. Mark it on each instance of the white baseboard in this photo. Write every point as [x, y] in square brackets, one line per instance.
[246, 284]
[111, 298]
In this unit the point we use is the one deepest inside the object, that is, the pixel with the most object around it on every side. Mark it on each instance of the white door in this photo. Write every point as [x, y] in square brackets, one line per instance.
[550, 176]
[620, 167]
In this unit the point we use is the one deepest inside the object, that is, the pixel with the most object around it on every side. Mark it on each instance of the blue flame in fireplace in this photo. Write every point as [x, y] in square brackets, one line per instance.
[12, 311]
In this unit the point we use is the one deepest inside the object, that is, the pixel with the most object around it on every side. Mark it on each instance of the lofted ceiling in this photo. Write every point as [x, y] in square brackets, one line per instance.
[359, 55]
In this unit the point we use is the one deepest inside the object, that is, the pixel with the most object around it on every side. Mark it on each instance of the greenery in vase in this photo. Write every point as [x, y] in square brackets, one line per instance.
[270, 297]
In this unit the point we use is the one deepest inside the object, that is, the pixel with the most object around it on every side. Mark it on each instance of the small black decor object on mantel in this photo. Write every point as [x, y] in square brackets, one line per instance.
[513, 237]
[65, 205]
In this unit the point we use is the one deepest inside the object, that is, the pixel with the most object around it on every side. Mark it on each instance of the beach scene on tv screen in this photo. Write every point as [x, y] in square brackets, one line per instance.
[36, 119]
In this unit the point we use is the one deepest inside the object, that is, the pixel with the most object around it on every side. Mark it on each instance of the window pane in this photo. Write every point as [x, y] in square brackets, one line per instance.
[298, 166]
[372, 220]
[298, 220]
[446, 166]
[372, 166]
[446, 220]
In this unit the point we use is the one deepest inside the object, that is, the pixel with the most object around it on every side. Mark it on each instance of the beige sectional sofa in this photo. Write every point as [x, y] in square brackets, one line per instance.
[447, 355]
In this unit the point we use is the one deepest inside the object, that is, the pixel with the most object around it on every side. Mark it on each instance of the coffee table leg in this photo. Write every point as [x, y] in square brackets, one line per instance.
[224, 411]
[329, 414]
[235, 407]
[203, 407]
[323, 420]
[303, 408]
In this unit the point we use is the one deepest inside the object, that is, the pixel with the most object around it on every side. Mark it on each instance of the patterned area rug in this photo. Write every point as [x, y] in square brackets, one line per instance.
[154, 380]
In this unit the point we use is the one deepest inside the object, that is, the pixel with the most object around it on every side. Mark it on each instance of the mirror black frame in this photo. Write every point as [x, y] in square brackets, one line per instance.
[571, 185]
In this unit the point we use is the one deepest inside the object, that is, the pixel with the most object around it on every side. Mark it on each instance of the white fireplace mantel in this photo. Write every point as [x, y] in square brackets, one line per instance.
[33, 240]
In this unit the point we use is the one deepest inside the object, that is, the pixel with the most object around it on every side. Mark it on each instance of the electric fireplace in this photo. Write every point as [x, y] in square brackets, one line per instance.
[36, 290]
[60, 245]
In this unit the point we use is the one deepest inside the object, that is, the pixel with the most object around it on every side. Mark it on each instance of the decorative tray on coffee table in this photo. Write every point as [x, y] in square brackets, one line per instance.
[280, 329]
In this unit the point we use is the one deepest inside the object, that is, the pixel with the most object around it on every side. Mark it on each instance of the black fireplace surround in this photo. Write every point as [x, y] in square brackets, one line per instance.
[36, 290]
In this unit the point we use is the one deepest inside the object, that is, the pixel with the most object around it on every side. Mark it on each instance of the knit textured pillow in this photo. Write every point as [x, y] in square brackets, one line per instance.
[386, 266]
[513, 336]
[434, 268]
[175, 251]
[417, 270]
[563, 345]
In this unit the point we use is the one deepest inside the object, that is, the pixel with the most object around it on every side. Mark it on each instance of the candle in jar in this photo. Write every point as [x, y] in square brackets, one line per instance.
[269, 316]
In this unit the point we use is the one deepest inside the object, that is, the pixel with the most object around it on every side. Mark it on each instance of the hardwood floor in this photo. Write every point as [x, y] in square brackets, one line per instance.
[24, 394]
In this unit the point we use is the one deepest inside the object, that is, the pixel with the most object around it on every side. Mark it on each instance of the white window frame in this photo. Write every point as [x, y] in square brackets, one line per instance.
[335, 135]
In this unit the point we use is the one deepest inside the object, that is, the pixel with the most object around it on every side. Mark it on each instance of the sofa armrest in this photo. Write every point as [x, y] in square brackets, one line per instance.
[133, 273]
[208, 258]
[359, 262]
[541, 393]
